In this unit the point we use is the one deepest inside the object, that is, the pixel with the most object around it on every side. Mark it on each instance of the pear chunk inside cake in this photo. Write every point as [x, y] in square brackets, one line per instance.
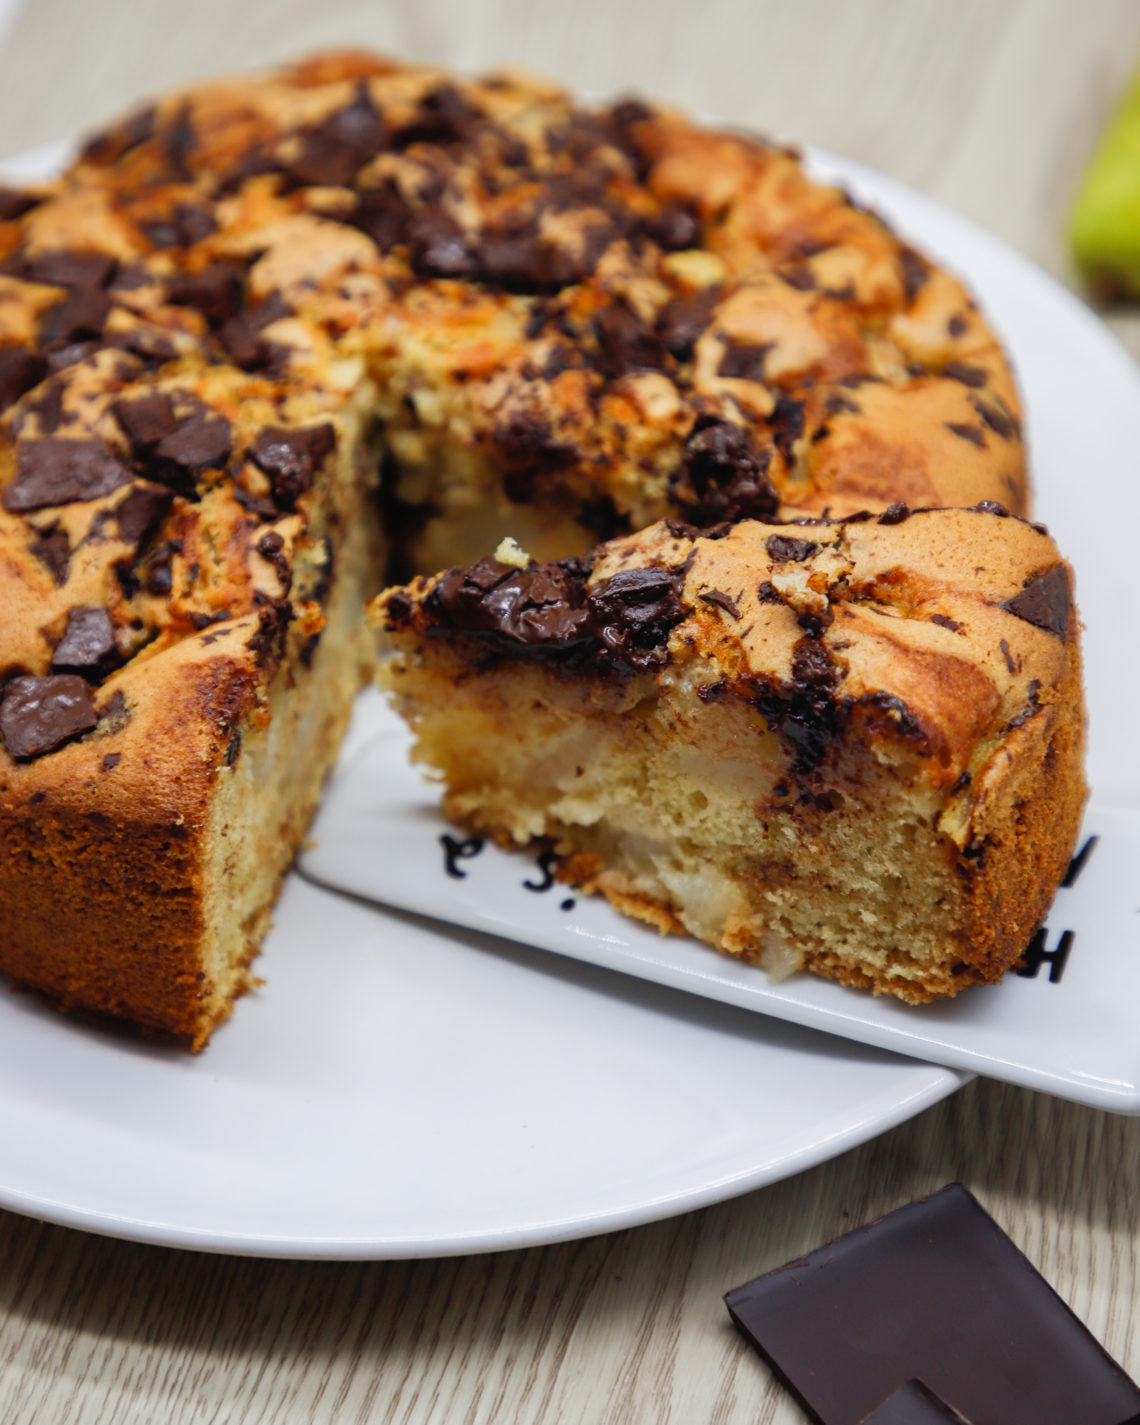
[850, 747]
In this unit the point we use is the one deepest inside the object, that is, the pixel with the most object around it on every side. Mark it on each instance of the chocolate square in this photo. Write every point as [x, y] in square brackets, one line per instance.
[935, 1291]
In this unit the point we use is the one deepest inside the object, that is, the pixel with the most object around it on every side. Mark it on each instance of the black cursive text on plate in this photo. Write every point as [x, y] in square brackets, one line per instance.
[455, 851]
[1077, 864]
[546, 866]
[1036, 955]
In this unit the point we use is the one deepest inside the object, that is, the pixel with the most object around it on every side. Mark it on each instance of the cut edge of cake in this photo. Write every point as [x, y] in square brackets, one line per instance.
[158, 843]
[854, 748]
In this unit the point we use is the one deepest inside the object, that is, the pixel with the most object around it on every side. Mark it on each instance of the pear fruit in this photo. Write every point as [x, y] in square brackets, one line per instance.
[1104, 229]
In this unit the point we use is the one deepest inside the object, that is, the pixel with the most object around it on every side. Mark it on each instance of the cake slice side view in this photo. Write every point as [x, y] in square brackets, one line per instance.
[853, 747]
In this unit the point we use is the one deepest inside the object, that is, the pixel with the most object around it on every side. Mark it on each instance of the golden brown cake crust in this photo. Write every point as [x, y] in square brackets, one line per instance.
[611, 304]
[621, 316]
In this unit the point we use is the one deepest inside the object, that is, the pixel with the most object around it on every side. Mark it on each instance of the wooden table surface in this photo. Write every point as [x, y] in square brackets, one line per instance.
[990, 105]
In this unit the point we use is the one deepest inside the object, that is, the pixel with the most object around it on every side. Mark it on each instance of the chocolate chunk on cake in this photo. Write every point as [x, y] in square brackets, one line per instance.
[259, 319]
[853, 747]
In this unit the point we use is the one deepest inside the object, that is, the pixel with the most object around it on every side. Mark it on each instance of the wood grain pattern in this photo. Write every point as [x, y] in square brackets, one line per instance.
[991, 107]
[628, 1327]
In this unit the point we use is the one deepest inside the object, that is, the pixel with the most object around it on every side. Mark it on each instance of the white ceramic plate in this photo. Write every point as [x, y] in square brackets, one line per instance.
[398, 1089]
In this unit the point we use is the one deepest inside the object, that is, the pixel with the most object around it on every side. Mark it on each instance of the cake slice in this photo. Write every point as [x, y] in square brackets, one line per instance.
[181, 647]
[852, 747]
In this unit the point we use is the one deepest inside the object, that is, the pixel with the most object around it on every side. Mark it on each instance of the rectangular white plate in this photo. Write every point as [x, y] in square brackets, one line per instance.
[1066, 1024]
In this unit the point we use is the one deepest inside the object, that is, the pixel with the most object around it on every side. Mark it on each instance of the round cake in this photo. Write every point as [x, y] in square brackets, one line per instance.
[273, 340]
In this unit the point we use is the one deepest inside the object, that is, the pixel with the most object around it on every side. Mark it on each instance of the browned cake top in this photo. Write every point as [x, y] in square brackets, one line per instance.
[625, 312]
[941, 631]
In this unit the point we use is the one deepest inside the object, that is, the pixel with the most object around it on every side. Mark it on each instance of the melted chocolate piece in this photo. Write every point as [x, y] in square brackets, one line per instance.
[130, 276]
[440, 247]
[20, 369]
[291, 458]
[519, 258]
[146, 420]
[46, 405]
[517, 261]
[179, 142]
[787, 422]
[997, 420]
[1045, 601]
[720, 600]
[268, 639]
[112, 144]
[914, 1404]
[381, 214]
[974, 434]
[14, 203]
[801, 278]
[893, 717]
[724, 474]
[56, 471]
[806, 710]
[78, 317]
[745, 363]
[332, 153]
[677, 227]
[114, 715]
[445, 117]
[65, 267]
[684, 320]
[635, 611]
[935, 1291]
[141, 513]
[38, 715]
[152, 347]
[626, 343]
[837, 402]
[256, 161]
[241, 335]
[974, 376]
[59, 358]
[217, 291]
[188, 224]
[53, 548]
[88, 645]
[160, 572]
[203, 440]
[782, 549]
[545, 610]
[540, 607]
[915, 272]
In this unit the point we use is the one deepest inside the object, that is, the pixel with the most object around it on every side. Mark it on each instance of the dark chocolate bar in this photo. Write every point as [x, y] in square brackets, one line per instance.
[913, 1404]
[934, 1291]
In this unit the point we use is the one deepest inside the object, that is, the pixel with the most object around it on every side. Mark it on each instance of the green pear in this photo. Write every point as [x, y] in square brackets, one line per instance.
[1104, 229]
